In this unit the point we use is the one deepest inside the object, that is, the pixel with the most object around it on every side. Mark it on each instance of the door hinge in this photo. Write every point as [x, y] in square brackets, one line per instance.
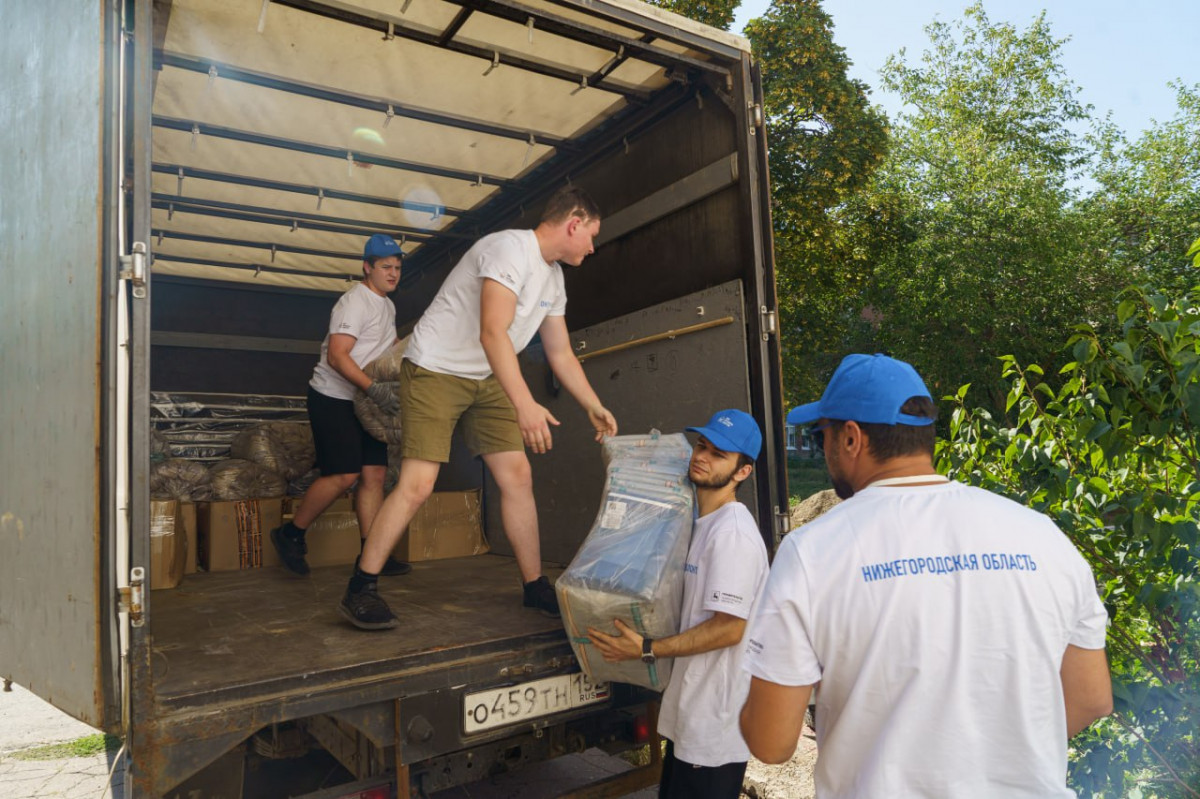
[783, 523]
[130, 598]
[756, 117]
[134, 268]
[768, 322]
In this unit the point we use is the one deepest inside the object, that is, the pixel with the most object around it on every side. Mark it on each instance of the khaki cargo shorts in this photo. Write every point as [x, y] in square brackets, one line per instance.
[432, 403]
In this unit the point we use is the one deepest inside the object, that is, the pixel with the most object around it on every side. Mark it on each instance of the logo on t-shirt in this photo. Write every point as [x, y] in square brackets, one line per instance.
[727, 599]
[544, 304]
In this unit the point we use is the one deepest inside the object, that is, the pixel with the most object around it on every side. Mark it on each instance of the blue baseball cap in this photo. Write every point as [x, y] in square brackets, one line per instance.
[732, 431]
[381, 246]
[869, 389]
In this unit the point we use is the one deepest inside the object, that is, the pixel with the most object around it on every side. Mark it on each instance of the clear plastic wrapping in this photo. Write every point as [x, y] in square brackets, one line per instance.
[630, 566]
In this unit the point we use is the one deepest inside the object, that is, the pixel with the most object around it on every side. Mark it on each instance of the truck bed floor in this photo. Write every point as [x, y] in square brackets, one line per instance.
[249, 634]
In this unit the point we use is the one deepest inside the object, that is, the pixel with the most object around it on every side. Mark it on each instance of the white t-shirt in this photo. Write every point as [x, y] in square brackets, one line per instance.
[725, 571]
[446, 339]
[936, 619]
[371, 319]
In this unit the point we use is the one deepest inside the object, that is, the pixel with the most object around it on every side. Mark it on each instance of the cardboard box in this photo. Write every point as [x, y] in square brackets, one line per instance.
[235, 534]
[168, 544]
[448, 525]
[333, 539]
[187, 516]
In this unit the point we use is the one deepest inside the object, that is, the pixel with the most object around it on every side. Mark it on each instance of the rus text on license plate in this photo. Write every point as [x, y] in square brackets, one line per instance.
[497, 707]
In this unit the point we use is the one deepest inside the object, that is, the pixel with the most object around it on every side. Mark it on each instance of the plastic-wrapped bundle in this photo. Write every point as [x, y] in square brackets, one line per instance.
[284, 448]
[240, 479]
[385, 369]
[630, 566]
[176, 478]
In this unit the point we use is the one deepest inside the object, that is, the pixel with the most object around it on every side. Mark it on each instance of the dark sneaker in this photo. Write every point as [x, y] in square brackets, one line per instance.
[394, 568]
[291, 551]
[366, 609]
[540, 594]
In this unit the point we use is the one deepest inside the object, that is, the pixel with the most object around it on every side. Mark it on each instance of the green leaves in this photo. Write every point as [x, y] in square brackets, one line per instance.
[1113, 456]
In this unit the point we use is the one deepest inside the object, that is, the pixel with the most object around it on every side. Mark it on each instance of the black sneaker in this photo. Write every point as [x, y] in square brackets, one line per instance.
[366, 609]
[291, 551]
[394, 568]
[540, 594]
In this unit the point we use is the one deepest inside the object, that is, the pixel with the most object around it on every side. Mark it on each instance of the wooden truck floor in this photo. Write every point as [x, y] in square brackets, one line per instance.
[244, 635]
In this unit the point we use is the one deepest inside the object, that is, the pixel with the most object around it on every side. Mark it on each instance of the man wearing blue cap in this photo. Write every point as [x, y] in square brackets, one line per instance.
[724, 574]
[957, 636]
[362, 327]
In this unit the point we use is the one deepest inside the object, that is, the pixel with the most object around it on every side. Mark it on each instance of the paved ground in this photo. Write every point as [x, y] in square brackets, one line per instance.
[27, 722]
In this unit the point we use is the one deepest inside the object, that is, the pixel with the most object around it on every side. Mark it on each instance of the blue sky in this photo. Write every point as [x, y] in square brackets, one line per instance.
[1120, 54]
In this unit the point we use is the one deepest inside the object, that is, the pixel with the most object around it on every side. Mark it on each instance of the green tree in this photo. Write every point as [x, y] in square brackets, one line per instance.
[824, 141]
[717, 13]
[1146, 206]
[968, 225]
[1112, 453]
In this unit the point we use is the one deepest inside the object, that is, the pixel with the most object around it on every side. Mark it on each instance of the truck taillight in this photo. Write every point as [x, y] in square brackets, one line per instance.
[378, 792]
[641, 729]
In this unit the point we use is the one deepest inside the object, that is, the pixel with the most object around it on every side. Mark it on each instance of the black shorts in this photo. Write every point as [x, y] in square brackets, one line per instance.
[682, 780]
[343, 446]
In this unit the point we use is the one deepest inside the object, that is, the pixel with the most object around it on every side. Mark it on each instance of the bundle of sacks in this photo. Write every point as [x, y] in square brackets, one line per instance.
[263, 461]
[177, 478]
[384, 369]
[285, 448]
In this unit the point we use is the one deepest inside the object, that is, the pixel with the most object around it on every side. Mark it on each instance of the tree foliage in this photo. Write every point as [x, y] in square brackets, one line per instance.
[1147, 201]
[979, 248]
[1111, 451]
[824, 141]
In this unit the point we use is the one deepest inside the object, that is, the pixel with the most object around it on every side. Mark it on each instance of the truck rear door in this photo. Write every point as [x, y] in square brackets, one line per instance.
[64, 443]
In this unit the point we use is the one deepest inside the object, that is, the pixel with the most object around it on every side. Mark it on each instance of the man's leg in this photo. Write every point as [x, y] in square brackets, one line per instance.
[518, 510]
[319, 496]
[414, 487]
[682, 780]
[367, 500]
[362, 605]
[519, 513]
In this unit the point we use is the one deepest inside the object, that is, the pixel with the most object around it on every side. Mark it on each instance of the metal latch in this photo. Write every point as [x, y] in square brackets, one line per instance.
[768, 322]
[131, 598]
[133, 269]
[783, 523]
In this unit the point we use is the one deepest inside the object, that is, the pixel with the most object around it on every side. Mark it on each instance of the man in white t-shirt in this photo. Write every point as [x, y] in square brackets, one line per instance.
[362, 327]
[461, 369]
[723, 577]
[957, 637]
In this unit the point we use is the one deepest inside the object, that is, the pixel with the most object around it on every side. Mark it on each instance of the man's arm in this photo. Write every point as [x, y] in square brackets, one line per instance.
[773, 718]
[497, 309]
[338, 355]
[566, 367]
[717, 632]
[1087, 687]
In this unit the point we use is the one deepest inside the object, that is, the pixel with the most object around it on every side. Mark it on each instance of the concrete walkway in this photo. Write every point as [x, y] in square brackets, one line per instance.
[27, 722]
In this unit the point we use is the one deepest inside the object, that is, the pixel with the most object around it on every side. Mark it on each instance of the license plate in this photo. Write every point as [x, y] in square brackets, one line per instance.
[497, 707]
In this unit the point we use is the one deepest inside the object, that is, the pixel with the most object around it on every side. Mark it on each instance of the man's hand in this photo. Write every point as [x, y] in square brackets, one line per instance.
[384, 395]
[534, 421]
[604, 422]
[615, 648]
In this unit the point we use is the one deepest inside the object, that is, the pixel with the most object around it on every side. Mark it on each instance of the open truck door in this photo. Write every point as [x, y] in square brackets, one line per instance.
[72, 359]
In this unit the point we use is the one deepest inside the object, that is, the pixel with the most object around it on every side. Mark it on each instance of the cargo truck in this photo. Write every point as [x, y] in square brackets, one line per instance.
[187, 186]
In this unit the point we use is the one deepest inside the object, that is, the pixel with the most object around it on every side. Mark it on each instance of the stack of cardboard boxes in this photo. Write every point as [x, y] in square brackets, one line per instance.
[234, 535]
